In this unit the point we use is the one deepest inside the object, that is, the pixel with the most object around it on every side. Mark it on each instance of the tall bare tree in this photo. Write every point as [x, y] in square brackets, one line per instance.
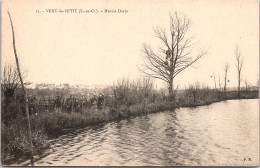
[239, 65]
[226, 68]
[24, 91]
[174, 56]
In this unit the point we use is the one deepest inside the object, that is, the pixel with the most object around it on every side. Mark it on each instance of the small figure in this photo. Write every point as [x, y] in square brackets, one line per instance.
[33, 105]
[57, 104]
[70, 104]
[100, 101]
[93, 100]
[51, 103]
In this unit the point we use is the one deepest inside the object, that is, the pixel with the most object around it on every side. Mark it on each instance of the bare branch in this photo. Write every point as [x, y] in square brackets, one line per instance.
[239, 65]
[175, 55]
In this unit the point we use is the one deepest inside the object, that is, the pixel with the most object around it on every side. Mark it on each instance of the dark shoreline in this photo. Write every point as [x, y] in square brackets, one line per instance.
[147, 110]
[69, 130]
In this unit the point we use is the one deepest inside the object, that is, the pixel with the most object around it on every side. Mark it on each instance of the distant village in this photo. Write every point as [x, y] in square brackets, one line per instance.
[80, 88]
[51, 90]
[64, 86]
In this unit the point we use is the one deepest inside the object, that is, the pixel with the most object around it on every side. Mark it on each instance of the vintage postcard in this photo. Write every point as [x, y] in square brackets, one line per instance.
[130, 83]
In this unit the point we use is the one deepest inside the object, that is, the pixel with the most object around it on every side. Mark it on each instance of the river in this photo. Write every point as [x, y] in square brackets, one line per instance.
[224, 133]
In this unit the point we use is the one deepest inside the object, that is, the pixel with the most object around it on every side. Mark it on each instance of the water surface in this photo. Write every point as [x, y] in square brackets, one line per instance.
[224, 133]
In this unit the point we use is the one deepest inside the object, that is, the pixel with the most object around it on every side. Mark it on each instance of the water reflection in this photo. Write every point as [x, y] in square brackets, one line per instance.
[220, 134]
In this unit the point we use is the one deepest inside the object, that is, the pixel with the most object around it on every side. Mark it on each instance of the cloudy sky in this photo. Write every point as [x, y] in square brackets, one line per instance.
[102, 48]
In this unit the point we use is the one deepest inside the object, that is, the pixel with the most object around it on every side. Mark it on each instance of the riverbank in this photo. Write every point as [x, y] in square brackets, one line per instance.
[46, 126]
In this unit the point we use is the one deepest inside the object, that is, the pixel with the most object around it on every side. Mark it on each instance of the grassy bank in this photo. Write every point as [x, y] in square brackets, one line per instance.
[50, 125]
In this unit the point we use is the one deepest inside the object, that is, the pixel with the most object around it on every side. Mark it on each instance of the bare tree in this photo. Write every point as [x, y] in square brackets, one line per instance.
[239, 65]
[226, 68]
[177, 48]
[24, 91]
[9, 81]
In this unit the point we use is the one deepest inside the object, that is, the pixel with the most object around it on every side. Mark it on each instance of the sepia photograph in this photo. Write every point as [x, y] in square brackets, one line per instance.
[130, 83]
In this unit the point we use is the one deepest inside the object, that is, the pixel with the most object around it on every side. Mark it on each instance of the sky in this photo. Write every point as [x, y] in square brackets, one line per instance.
[99, 49]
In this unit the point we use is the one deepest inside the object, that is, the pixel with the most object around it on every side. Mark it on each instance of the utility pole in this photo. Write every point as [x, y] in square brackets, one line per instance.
[24, 91]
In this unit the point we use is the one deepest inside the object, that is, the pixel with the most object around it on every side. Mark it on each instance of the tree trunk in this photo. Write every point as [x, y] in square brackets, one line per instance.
[225, 84]
[238, 86]
[171, 95]
[194, 97]
[25, 94]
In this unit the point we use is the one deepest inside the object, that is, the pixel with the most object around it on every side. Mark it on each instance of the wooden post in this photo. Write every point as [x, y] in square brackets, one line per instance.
[25, 93]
